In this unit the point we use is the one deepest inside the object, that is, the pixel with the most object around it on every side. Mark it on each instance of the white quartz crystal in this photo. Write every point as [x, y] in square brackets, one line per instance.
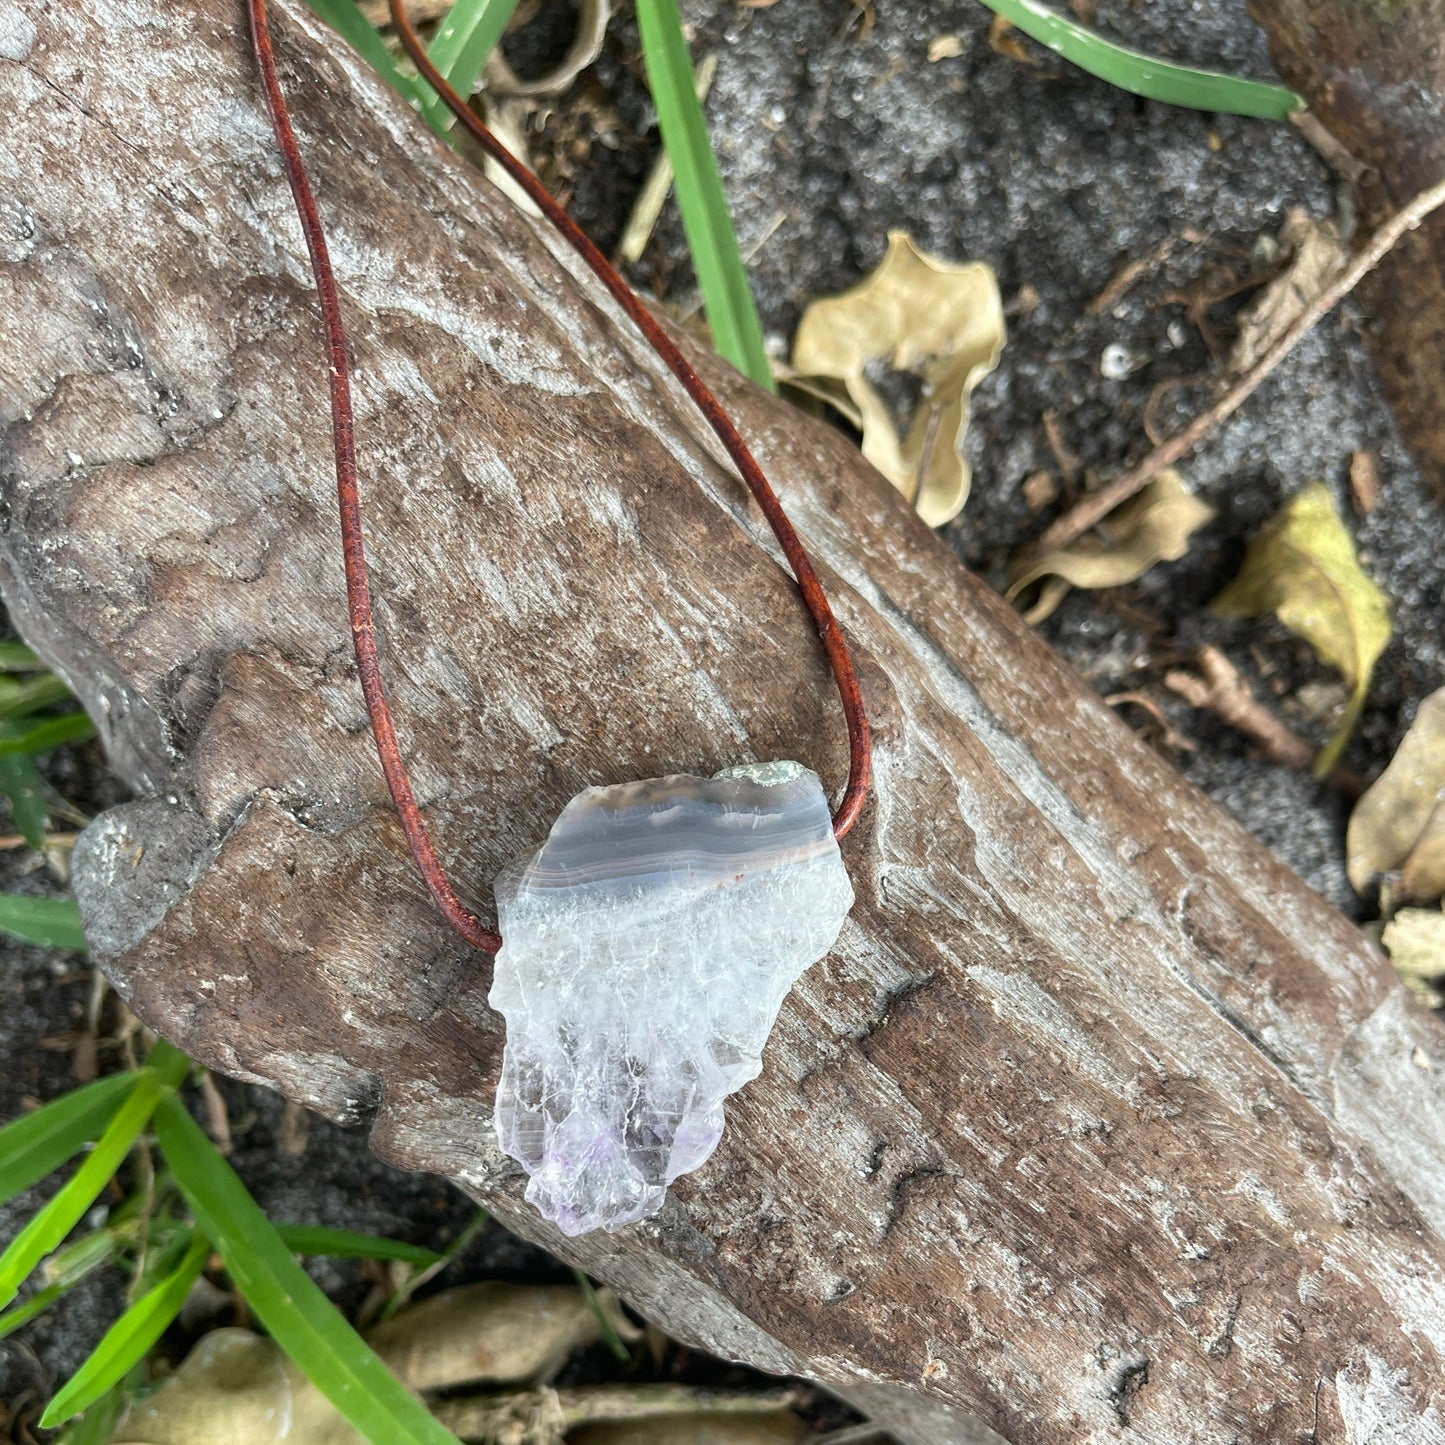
[647, 947]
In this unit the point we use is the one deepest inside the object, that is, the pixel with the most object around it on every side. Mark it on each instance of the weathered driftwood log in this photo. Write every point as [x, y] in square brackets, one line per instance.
[1098, 1125]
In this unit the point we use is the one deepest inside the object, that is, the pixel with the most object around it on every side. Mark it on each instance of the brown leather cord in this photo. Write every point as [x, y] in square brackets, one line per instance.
[358, 592]
[343, 435]
[860, 764]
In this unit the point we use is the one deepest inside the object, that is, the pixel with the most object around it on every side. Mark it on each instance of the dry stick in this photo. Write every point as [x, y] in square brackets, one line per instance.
[1221, 690]
[648, 206]
[218, 1118]
[486, 1417]
[1097, 505]
[864, 1434]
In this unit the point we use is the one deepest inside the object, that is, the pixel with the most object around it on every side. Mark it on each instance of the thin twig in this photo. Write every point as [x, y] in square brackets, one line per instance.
[478, 1222]
[1169, 737]
[648, 206]
[1067, 458]
[865, 1434]
[1130, 271]
[1364, 482]
[515, 1414]
[1335, 153]
[295, 1129]
[87, 1046]
[218, 1118]
[1097, 505]
[1218, 688]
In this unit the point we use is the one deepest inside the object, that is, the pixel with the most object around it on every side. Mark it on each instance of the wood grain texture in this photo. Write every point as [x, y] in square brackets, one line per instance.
[1097, 1125]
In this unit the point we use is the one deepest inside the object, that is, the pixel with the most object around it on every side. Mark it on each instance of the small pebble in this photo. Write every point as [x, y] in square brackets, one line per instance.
[1118, 361]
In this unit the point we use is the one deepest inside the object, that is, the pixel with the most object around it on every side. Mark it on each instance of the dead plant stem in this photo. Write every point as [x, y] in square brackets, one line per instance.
[1094, 507]
[1218, 688]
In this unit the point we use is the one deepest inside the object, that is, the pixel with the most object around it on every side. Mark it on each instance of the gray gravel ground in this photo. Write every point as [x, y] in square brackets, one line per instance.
[834, 128]
[1055, 179]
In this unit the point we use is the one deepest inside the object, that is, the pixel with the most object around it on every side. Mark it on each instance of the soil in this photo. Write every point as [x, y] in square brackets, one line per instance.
[833, 127]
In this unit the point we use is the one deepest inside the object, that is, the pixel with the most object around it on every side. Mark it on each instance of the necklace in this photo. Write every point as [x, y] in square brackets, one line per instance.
[651, 938]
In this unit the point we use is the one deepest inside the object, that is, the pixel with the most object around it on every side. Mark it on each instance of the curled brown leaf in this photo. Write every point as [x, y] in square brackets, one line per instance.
[915, 313]
[1399, 824]
[1153, 527]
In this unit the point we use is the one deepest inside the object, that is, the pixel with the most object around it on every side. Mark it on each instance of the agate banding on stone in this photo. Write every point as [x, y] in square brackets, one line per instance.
[647, 947]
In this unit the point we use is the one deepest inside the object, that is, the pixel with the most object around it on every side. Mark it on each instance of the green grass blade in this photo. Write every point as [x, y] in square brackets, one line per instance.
[721, 276]
[88, 1252]
[44, 734]
[1145, 75]
[164, 1070]
[128, 1340]
[16, 657]
[413, 1282]
[20, 699]
[168, 1064]
[50, 922]
[23, 1313]
[162, 1256]
[97, 1426]
[344, 18]
[35, 1144]
[283, 1297]
[64, 1210]
[63, 1272]
[610, 1337]
[313, 1239]
[470, 32]
[22, 784]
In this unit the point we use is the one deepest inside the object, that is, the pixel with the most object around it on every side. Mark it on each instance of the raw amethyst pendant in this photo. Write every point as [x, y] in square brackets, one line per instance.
[648, 946]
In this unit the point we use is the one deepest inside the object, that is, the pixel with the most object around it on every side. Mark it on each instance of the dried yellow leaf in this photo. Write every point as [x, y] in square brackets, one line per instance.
[1315, 256]
[1302, 567]
[1423, 876]
[1399, 824]
[916, 313]
[1415, 940]
[228, 1387]
[1153, 527]
[804, 390]
[491, 1332]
